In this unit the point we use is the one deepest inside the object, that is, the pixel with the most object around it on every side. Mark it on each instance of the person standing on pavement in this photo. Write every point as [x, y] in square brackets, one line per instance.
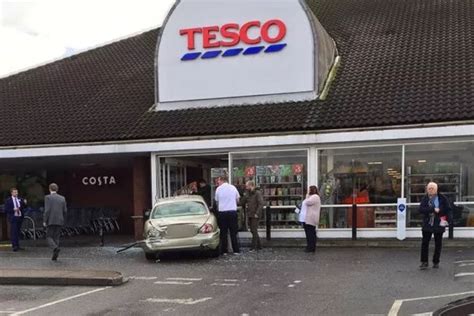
[54, 216]
[253, 201]
[312, 204]
[15, 209]
[227, 198]
[435, 208]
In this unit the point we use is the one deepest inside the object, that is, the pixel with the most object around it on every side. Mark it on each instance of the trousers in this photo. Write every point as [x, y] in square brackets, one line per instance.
[425, 243]
[310, 232]
[253, 222]
[228, 222]
[53, 233]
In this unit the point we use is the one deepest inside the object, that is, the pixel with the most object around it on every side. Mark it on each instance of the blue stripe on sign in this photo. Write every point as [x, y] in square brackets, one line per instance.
[253, 50]
[211, 54]
[232, 52]
[275, 48]
[190, 56]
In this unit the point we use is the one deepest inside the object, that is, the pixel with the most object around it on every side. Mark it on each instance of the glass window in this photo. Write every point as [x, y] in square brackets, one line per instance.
[181, 208]
[281, 176]
[360, 176]
[451, 166]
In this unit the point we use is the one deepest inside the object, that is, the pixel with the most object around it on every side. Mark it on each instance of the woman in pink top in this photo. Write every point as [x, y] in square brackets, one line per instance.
[313, 209]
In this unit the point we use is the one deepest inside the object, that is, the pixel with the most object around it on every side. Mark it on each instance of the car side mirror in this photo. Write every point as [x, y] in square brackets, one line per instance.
[146, 215]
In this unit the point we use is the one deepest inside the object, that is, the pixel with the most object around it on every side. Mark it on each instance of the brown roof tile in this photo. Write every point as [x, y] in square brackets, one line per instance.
[403, 62]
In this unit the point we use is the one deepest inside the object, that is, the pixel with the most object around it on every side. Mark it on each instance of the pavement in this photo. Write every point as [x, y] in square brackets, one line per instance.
[86, 277]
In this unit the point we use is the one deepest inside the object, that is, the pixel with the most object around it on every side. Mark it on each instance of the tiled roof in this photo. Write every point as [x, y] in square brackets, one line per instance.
[403, 62]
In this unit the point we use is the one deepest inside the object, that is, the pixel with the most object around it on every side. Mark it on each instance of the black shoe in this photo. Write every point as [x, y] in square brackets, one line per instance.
[435, 265]
[55, 254]
[424, 266]
[15, 249]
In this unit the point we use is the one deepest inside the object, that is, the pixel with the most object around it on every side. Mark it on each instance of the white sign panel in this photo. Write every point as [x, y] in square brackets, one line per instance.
[226, 52]
[401, 218]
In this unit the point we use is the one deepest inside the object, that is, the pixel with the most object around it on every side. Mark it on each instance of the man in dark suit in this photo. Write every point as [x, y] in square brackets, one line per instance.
[55, 210]
[14, 208]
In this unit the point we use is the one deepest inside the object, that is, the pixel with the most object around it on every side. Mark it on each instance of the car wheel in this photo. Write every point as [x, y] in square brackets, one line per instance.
[152, 256]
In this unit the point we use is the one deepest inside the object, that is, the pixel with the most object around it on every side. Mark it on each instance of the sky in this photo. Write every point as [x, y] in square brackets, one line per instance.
[35, 32]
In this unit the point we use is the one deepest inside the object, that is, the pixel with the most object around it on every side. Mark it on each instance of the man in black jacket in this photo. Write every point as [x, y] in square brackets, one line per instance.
[436, 210]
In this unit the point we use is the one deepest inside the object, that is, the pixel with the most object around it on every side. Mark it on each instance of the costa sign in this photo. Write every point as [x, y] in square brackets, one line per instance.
[99, 180]
[228, 35]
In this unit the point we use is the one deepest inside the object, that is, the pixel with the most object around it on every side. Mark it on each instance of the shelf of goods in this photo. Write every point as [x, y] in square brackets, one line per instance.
[385, 217]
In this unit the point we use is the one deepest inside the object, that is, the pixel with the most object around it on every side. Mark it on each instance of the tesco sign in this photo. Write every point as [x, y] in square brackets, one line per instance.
[213, 53]
[233, 34]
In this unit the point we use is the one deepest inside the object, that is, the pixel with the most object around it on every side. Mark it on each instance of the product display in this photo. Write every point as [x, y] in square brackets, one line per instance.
[446, 174]
[282, 187]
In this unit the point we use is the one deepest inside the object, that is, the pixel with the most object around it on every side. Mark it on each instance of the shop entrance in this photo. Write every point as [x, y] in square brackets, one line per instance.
[179, 175]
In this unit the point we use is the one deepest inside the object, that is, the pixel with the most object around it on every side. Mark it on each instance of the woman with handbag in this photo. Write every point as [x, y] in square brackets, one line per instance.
[312, 205]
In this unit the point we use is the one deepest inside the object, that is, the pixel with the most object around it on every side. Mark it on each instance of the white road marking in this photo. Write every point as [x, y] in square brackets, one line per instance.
[297, 281]
[183, 301]
[185, 279]
[227, 280]
[173, 282]
[395, 308]
[291, 285]
[461, 274]
[224, 284]
[266, 284]
[424, 314]
[463, 261]
[466, 264]
[7, 312]
[398, 303]
[142, 278]
[60, 301]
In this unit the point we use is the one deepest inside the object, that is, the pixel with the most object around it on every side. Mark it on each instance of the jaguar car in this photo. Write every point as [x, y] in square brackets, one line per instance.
[181, 223]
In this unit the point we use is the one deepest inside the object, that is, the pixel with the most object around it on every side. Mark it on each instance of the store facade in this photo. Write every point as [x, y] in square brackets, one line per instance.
[253, 95]
[373, 172]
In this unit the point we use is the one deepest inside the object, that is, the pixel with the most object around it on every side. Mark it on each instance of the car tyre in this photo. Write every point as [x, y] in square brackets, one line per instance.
[151, 256]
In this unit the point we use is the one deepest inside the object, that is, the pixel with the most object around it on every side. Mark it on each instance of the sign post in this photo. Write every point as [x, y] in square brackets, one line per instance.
[401, 218]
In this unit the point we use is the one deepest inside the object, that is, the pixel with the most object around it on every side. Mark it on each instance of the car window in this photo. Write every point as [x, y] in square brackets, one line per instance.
[182, 208]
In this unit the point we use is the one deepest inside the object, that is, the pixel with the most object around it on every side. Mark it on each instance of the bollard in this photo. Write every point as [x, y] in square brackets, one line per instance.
[268, 222]
[354, 221]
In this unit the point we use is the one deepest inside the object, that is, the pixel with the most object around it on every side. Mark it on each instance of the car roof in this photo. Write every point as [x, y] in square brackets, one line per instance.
[181, 198]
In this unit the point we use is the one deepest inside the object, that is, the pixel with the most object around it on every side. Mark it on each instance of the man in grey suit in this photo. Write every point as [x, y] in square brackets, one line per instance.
[55, 210]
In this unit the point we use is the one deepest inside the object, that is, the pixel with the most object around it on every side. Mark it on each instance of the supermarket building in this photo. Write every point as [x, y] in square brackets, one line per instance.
[118, 126]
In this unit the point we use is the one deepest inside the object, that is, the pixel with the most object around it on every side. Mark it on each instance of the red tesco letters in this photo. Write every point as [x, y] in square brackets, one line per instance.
[232, 34]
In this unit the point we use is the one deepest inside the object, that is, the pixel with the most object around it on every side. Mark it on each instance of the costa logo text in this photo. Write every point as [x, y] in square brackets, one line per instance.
[266, 37]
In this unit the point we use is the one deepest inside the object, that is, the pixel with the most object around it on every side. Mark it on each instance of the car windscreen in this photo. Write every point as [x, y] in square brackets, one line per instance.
[181, 208]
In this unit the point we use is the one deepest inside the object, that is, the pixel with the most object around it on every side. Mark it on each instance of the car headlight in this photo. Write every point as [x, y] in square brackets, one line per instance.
[153, 232]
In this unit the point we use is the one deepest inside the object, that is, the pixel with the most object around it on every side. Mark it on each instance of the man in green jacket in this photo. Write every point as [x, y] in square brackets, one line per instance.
[253, 201]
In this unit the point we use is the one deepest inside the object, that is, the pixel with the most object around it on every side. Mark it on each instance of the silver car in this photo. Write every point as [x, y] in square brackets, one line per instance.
[180, 223]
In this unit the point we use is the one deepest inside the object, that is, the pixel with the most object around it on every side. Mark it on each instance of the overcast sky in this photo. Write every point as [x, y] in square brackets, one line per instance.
[34, 32]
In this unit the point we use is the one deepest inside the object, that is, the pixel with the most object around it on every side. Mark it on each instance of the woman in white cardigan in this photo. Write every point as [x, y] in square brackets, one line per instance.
[312, 204]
